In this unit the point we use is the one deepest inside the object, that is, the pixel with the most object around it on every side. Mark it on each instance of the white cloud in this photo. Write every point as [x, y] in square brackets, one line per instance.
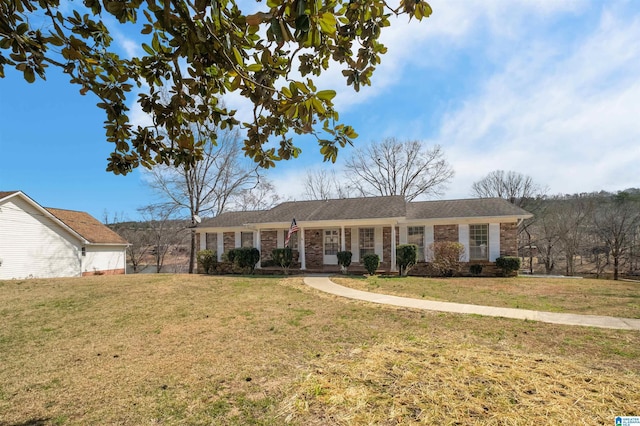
[563, 112]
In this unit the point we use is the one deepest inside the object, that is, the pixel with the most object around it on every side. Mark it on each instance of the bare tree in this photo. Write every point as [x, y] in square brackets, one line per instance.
[208, 186]
[616, 220]
[262, 196]
[139, 238]
[571, 227]
[405, 168]
[512, 186]
[164, 231]
[323, 185]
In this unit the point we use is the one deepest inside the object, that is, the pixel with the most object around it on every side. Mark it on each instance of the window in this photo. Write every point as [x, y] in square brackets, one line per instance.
[246, 239]
[479, 242]
[416, 236]
[367, 241]
[331, 242]
[212, 241]
[84, 251]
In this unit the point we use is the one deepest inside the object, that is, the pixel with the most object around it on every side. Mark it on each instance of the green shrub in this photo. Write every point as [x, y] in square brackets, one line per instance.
[446, 256]
[230, 256]
[475, 269]
[207, 261]
[371, 262]
[244, 258]
[283, 257]
[344, 260]
[406, 257]
[509, 265]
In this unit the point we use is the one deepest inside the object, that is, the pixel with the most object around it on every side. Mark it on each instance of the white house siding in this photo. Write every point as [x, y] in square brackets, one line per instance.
[103, 258]
[32, 245]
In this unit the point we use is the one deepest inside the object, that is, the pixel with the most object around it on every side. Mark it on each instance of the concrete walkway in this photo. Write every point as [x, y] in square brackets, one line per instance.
[323, 283]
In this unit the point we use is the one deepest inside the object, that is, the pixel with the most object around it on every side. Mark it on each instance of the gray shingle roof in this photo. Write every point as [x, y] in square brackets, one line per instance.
[480, 207]
[369, 208]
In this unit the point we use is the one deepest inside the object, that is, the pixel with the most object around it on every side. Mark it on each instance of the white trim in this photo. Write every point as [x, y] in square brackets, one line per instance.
[404, 234]
[378, 242]
[220, 244]
[429, 239]
[463, 238]
[280, 236]
[393, 249]
[301, 249]
[494, 241]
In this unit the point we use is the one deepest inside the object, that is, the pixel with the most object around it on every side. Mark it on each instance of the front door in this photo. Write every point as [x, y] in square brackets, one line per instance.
[331, 246]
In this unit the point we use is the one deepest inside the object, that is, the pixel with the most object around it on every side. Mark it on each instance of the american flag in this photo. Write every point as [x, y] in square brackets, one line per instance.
[292, 230]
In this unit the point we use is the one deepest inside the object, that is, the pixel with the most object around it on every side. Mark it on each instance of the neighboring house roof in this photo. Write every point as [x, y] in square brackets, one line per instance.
[87, 226]
[471, 208]
[4, 194]
[369, 208]
[82, 224]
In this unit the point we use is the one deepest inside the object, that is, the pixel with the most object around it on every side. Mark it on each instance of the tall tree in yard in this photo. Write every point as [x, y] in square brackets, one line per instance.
[209, 185]
[200, 51]
[392, 167]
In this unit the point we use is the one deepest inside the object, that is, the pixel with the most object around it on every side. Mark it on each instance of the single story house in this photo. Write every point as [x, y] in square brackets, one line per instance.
[39, 242]
[487, 228]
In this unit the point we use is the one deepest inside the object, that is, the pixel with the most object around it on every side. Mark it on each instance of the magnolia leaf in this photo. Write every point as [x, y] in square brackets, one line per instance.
[326, 95]
[328, 23]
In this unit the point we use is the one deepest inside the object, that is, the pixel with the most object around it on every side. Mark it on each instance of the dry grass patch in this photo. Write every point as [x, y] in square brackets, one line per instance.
[400, 382]
[580, 296]
[178, 349]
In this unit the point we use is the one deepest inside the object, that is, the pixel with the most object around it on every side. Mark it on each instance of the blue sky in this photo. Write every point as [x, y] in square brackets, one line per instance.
[547, 88]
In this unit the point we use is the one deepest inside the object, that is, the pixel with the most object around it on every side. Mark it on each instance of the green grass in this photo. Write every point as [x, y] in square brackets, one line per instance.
[580, 296]
[201, 350]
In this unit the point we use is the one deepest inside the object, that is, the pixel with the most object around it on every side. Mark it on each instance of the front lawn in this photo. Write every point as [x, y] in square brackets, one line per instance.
[572, 295]
[203, 350]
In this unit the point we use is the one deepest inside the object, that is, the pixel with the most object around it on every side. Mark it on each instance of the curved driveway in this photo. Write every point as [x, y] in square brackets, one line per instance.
[323, 283]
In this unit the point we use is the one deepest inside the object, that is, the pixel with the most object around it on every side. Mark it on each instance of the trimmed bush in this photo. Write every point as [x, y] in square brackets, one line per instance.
[509, 265]
[344, 260]
[371, 262]
[207, 261]
[446, 257]
[244, 258]
[406, 257]
[283, 257]
[475, 269]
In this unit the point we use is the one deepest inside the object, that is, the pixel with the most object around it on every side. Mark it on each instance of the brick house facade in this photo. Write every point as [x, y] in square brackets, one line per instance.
[487, 228]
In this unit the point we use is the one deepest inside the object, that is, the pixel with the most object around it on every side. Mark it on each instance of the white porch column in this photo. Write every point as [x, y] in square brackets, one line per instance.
[463, 238]
[494, 241]
[343, 243]
[429, 238]
[203, 240]
[301, 244]
[257, 238]
[393, 248]
[220, 244]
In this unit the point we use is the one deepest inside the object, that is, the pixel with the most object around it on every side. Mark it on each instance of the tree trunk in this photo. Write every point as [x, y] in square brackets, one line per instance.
[192, 254]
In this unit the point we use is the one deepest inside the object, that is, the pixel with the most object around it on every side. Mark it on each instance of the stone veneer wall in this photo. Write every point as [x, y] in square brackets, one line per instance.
[445, 233]
[268, 242]
[313, 248]
[508, 239]
[347, 238]
[229, 241]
